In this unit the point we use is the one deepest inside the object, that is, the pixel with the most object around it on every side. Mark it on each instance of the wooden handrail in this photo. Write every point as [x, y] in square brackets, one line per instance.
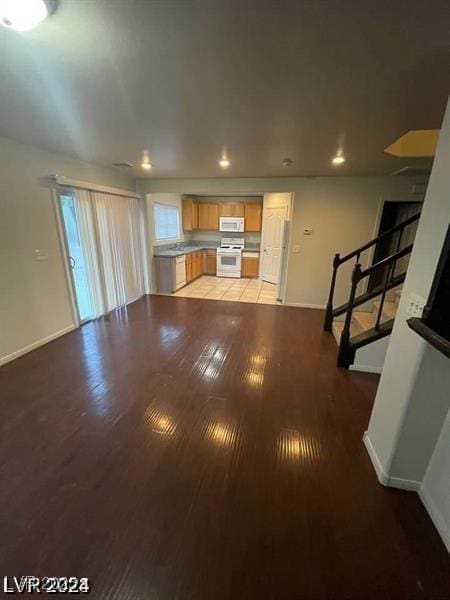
[387, 261]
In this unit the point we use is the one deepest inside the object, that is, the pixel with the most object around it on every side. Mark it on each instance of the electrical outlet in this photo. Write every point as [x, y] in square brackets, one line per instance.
[415, 306]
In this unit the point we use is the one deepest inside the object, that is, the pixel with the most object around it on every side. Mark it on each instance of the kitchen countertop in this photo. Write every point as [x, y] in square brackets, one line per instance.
[172, 253]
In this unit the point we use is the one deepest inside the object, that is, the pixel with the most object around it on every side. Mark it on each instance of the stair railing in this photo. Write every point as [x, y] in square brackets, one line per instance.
[347, 348]
[332, 312]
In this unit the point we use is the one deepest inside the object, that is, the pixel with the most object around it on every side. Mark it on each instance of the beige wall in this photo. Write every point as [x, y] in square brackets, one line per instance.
[34, 302]
[342, 211]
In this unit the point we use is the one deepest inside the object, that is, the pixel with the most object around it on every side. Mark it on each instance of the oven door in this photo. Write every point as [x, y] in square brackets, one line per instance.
[229, 264]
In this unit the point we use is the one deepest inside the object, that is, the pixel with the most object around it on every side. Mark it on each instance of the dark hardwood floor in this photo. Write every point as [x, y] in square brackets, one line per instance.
[194, 449]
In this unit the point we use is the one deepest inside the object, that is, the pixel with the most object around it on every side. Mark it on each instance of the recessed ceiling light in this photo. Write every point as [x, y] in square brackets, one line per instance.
[338, 160]
[23, 15]
[146, 165]
[224, 163]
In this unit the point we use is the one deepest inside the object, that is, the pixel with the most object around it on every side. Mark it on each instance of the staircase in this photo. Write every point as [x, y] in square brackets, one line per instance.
[364, 322]
[352, 328]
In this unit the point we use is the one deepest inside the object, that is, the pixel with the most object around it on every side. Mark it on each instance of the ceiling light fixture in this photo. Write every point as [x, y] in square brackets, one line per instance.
[23, 15]
[338, 160]
[224, 163]
[146, 164]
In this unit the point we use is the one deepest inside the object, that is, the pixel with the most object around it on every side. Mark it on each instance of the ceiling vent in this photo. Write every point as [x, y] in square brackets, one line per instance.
[123, 165]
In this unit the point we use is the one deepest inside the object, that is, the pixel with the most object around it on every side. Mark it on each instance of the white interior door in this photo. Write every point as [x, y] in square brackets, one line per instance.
[274, 219]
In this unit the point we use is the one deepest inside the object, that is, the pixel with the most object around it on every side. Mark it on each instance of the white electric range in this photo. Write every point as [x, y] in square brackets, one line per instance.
[229, 257]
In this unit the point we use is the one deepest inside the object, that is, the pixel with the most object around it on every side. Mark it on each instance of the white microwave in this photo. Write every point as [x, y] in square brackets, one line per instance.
[232, 224]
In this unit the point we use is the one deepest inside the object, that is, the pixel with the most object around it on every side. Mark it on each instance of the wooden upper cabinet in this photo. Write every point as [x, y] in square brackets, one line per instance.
[208, 216]
[214, 216]
[232, 209]
[190, 214]
[203, 218]
[253, 216]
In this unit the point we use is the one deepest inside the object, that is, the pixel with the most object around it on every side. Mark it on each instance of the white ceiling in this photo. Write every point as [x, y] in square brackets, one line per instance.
[102, 80]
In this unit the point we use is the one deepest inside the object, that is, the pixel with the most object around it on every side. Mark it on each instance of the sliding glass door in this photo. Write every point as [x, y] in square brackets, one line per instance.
[76, 257]
[104, 247]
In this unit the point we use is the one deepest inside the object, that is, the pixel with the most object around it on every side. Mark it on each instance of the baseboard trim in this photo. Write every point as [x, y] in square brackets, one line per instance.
[49, 338]
[436, 517]
[302, 305]
[409, 485]
[382, 477]
[366, 369]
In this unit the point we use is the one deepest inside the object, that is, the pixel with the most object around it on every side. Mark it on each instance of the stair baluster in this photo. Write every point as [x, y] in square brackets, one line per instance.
[329, 309]
[346, 354]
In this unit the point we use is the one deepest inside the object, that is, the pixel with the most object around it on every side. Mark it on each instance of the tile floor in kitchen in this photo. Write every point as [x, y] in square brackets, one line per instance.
[227, 288]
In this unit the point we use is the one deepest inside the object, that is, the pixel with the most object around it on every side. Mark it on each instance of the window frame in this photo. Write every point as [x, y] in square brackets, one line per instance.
[166, 206]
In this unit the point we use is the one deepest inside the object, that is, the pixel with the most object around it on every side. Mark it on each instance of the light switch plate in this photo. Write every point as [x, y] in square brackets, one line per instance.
[415, 306]
[40, 255]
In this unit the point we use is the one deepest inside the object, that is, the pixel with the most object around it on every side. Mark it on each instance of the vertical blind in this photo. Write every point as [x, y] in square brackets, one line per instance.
[167, 222]
[111, 231]
[83, 207]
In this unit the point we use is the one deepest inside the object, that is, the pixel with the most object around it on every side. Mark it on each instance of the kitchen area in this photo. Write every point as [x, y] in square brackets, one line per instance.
[217, 254]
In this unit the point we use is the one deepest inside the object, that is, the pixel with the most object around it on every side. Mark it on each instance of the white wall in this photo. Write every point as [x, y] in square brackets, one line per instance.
[370, 358]
[435, 490]
[414, 392]
[343, 212]
[34, 301]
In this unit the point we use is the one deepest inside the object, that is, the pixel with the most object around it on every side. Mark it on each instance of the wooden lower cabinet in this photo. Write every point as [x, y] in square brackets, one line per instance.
[250, 266]
[210, 262]
[194, 265]
[188, 269]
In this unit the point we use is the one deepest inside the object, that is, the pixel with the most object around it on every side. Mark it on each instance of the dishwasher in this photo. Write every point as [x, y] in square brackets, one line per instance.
[180, 271]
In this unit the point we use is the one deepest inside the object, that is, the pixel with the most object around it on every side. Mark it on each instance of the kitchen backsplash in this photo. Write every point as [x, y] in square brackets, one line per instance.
[216, 236]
